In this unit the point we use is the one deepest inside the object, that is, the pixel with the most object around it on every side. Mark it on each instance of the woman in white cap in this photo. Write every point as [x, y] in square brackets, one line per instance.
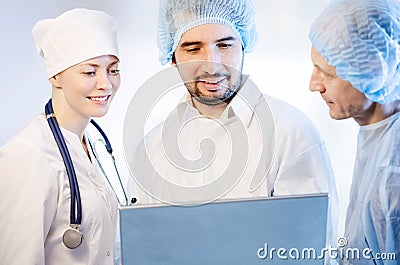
[45, 218]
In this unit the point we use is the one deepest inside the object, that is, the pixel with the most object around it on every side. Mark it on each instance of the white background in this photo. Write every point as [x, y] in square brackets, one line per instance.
[280, 65]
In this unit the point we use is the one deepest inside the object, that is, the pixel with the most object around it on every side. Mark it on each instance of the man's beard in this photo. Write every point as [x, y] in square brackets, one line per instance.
[226, 97]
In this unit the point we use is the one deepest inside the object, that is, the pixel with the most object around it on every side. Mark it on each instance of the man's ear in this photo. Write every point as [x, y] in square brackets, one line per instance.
[173, 60]
[54, 81]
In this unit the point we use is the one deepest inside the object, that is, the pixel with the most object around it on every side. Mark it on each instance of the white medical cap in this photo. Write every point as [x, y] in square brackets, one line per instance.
[73, 37]
[178, 16]
[361, 38]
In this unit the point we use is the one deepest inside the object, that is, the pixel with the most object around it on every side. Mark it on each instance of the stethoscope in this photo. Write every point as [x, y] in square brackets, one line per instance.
[72, 237]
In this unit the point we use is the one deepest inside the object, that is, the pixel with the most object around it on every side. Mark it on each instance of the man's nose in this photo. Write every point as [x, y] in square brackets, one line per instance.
[316, 81]
[212, 61]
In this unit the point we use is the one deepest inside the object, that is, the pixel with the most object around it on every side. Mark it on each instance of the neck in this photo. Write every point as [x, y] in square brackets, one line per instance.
[210, 111]
[67, 118]
[378, 112]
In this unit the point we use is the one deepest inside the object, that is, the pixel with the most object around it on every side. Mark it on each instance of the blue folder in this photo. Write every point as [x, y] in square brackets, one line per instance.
[275, 230]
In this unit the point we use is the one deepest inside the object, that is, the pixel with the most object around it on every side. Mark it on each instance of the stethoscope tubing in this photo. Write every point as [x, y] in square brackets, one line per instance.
[73, 181]
[109, 149]
[107, 142]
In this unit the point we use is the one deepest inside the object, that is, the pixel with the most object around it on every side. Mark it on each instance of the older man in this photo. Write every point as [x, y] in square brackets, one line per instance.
[356, 56]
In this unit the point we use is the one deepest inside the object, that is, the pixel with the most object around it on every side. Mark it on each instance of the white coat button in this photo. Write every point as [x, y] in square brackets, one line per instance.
[108, 253]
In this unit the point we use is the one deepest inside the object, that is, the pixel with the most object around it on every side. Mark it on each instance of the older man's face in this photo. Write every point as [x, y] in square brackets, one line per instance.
[344, 101]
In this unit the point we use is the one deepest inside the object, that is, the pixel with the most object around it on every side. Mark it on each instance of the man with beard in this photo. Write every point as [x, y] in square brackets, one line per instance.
[225, 139]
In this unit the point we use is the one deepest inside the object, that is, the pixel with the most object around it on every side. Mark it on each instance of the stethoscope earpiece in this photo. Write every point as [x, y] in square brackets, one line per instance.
[72, 237]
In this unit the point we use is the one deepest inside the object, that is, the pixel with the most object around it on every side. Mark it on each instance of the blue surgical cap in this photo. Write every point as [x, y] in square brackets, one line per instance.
[178, 16]
[361, 38]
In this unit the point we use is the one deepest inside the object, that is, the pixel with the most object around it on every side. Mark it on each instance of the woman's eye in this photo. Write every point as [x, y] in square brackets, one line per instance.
[114, 71]
[89, 73]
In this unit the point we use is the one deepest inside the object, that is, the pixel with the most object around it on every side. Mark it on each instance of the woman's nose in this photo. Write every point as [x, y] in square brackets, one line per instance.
[103, 81]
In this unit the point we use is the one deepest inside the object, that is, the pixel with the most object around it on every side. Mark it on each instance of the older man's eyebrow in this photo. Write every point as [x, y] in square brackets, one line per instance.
[323, 71]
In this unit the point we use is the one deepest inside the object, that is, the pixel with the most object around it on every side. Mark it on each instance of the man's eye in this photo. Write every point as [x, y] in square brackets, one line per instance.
[225, 45]
[193, 50]
[329, 76]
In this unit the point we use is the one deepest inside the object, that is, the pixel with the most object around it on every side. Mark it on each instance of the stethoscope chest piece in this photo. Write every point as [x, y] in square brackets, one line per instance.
[72, 237]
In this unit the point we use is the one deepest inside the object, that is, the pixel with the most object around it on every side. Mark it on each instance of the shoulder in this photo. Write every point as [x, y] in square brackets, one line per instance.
[290, 121]
[35, 132]
[29, 152]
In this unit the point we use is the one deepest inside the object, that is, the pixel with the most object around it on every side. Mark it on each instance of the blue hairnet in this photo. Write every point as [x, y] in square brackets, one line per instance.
[361, 38]
[178, 16]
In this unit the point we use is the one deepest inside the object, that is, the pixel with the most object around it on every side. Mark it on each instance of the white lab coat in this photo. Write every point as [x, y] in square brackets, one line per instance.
[35, 202]
[297, 162]
[183, 159]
